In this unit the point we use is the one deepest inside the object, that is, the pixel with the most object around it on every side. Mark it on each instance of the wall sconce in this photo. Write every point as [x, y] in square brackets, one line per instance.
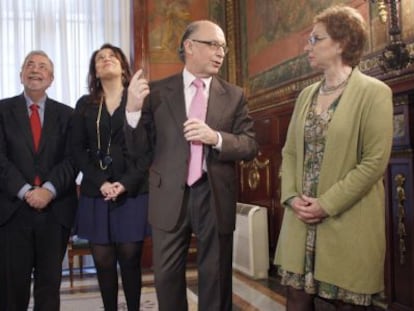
[396, 55]
[382, 10]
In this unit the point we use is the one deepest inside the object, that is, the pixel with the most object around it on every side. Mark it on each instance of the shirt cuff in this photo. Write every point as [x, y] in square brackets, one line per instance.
[23, 191]
[219, 142]
[288, 202]
[133, 118]
[49, 186]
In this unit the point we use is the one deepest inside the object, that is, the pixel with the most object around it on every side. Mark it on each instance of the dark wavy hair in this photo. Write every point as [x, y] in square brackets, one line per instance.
[94, 83]
[346, 26]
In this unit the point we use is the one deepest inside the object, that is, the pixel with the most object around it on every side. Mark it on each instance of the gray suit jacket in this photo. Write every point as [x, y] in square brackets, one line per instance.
[160, 134]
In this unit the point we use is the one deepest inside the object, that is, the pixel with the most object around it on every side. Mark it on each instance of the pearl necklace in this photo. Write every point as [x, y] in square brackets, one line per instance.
[327, 90]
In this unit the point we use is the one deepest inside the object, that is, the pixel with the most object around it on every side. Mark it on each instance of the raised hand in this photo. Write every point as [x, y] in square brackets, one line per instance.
[138, 89]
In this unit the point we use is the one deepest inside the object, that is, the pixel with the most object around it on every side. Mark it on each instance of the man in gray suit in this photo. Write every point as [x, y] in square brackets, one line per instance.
[160, 123]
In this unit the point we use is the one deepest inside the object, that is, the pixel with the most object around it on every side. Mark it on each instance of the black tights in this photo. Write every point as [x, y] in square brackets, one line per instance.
[299, 300]
[106, 257]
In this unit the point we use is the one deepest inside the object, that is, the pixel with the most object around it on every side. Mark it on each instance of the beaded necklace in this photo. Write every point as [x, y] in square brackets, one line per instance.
[327, 90]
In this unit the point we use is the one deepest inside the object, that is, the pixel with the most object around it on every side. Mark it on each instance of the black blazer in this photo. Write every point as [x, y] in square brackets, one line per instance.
[85, 146]
[19, 164]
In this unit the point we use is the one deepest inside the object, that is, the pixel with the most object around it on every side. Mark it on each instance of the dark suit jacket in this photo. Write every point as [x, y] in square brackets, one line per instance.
[19, 164]
[160, 131]
[84, 143]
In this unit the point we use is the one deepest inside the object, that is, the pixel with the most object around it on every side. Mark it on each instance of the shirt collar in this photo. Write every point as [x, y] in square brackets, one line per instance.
[40, 103]
[188, 78]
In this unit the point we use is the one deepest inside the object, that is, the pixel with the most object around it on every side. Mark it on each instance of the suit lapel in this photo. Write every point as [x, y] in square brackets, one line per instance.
[216, 104]
[22, 119]
[50, 123]
[174, 97]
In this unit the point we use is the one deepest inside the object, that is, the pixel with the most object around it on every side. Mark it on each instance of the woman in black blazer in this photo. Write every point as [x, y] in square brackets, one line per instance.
[112, 212]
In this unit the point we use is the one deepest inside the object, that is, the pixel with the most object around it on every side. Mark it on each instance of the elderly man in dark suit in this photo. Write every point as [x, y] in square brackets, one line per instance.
[37, 190]
[168, 126]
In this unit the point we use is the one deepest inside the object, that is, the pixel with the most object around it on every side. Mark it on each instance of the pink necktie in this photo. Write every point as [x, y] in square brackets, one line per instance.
[198, 110]
[36, 126]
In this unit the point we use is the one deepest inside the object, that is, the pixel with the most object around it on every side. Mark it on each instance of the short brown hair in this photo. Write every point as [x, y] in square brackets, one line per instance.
[346, 26]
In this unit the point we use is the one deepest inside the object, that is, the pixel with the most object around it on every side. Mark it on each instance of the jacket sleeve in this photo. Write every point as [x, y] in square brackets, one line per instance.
[11, 179]
[139, 142]
[239, 143]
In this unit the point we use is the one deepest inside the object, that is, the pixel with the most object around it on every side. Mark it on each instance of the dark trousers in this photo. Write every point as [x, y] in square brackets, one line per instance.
[214, 257]
[31, 243]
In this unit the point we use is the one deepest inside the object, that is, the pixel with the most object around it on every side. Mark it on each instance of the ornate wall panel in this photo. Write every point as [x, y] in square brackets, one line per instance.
[259, 179]
[400, 212]
[400, 234]
[158, 26]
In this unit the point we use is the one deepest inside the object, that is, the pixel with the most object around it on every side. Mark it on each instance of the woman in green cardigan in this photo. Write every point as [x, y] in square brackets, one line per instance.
[332, 239]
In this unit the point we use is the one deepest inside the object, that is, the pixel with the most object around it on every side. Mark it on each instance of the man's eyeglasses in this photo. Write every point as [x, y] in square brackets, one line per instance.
[312, 40]
[214, 45]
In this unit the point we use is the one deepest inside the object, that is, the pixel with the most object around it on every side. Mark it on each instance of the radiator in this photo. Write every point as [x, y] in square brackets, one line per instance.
[251, 241]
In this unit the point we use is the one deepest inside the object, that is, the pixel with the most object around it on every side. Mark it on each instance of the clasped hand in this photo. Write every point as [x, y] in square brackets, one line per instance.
[308, 209]
[111, 191]
[38, 198]
[197, 130]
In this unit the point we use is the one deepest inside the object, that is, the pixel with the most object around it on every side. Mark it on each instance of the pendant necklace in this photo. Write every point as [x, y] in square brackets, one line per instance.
[104, 157]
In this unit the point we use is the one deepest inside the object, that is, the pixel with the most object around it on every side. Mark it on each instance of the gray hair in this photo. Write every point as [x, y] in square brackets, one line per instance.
[41, 53]
[191, 28]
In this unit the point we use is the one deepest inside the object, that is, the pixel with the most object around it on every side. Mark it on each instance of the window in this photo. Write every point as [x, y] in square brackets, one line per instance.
[68, 31]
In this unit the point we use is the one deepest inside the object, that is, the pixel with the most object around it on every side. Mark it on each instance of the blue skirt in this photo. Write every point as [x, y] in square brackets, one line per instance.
[100, 223]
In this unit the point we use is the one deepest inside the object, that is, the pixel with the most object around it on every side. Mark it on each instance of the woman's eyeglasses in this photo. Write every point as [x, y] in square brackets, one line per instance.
[312, 40]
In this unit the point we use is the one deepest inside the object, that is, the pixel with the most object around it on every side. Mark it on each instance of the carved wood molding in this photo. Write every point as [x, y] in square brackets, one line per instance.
[252, 172]
[280, 95]
[286, 94]
[231, 27]
[401, 231]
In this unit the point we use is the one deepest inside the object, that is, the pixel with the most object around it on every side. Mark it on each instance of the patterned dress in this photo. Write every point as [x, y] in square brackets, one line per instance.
[316, 127]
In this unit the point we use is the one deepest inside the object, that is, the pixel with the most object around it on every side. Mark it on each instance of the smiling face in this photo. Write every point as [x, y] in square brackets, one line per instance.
[203, 59]
[36, 75]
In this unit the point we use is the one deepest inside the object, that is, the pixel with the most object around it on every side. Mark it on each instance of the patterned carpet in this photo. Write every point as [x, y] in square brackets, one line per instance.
[247, 294]
[85, 296]
[92, 301]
